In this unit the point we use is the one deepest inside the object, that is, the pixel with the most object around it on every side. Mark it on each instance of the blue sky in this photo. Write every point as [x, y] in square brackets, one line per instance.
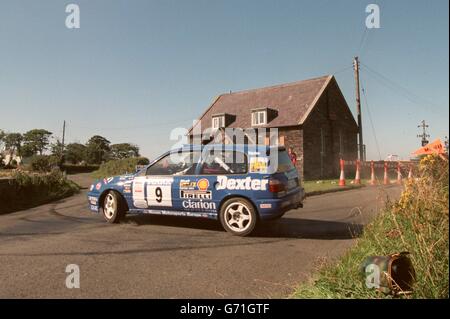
[137, 69]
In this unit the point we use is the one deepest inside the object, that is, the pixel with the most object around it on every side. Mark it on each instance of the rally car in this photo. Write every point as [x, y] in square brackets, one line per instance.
[237, 184]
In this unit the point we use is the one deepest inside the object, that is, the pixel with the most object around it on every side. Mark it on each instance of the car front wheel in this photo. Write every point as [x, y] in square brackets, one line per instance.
[113, 209]
[238, 216]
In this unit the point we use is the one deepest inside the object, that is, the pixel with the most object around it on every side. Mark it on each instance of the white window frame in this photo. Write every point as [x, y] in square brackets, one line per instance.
[256, 117]
[218, 122]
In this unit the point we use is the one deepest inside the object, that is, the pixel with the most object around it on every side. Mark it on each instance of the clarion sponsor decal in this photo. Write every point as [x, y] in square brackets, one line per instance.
[241, 183]
[189, 204]
[195, 194]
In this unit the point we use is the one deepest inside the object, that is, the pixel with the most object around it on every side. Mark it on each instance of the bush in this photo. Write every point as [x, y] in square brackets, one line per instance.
[76, 169]
[417, 223]
[119, 167]
[25, 190]
[43, 163]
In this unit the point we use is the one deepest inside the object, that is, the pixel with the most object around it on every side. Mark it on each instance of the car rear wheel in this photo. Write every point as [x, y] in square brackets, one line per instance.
[238, 216]
[113, 208]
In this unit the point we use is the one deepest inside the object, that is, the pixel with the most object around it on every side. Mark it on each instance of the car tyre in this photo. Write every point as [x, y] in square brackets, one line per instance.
[113, 207]
[238, 216]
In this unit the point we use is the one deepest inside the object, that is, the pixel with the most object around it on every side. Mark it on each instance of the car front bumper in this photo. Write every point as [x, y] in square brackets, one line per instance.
[93, 202]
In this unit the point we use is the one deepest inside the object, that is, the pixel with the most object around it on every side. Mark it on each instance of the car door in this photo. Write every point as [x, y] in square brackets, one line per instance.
[159, 188]
[219, 165]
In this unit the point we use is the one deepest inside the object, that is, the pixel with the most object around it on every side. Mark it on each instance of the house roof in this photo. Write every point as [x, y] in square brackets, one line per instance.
[293, 101]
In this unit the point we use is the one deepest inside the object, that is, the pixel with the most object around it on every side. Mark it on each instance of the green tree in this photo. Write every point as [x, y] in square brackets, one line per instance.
[75, 153]
[36, 141]
[97, 149]
[124, 150]
[13, 145]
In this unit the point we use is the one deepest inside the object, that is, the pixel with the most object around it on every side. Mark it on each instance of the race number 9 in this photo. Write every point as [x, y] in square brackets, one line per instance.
[159, 192]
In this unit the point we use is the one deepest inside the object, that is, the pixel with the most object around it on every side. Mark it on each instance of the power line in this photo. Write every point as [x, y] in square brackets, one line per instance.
[342, 70]
[362, 41]
[399, 89]
[371, 121]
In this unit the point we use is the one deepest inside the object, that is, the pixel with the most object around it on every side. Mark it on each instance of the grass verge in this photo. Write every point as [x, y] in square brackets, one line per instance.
[327, 186]
[417, 223]
[25, 190]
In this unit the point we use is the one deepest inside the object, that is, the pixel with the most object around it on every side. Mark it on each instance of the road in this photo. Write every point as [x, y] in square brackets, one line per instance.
[173, 257]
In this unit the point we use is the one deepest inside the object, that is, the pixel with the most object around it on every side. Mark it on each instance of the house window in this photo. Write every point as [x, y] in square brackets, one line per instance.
[259, 118]
[218, 121]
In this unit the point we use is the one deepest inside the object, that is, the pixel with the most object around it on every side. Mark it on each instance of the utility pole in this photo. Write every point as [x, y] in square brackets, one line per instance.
[424, 134]
[62, 142]
[358, 109]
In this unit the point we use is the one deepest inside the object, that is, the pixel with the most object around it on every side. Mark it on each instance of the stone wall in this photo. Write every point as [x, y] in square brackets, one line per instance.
[329, 133]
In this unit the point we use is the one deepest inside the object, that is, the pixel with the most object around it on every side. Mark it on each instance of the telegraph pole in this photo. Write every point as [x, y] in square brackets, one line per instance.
[358, 109]
[62, 142]
[424, 134]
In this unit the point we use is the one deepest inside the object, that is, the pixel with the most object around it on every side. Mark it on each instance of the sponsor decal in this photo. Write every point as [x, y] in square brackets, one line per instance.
[125, 177]
[265, 206]
[241, 183]
[189, 204]
[203, 184]
[258, 164]
[92, 200]
[187, 184]
[108, 180]
[127, 188]
[177, 213]
[93, 207]
[138, 187]
[160, 181]
[98, 186]
[195, 194]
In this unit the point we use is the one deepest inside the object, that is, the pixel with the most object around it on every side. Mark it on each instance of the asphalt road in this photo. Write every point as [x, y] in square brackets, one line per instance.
[173, 257]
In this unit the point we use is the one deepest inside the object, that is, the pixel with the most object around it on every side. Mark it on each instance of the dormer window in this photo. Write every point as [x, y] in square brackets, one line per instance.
[259, 117]
[218, 121]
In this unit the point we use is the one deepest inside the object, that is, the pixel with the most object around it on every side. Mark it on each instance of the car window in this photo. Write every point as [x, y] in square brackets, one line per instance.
[282, 163]
[178, 163]
[219, 162]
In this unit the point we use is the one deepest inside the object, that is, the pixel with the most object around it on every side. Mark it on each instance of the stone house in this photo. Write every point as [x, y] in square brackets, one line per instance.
[311, 116]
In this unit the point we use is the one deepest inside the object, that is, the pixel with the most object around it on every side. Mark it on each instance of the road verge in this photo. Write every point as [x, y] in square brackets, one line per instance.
[417, 223]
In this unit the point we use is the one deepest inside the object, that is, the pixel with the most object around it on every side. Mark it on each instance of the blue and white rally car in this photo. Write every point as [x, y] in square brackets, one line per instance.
[237, 184]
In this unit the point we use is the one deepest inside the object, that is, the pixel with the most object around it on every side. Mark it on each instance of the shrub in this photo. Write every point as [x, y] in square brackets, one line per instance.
[119, 167]
[25, 190]
[43, 163]
[76, 169]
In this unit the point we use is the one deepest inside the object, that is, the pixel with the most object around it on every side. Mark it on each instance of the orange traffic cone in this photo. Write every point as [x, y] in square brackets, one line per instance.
[372, 174]
[358, 175]
[399, 174]
[410, 173]
[342, 177]
[386, 179]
